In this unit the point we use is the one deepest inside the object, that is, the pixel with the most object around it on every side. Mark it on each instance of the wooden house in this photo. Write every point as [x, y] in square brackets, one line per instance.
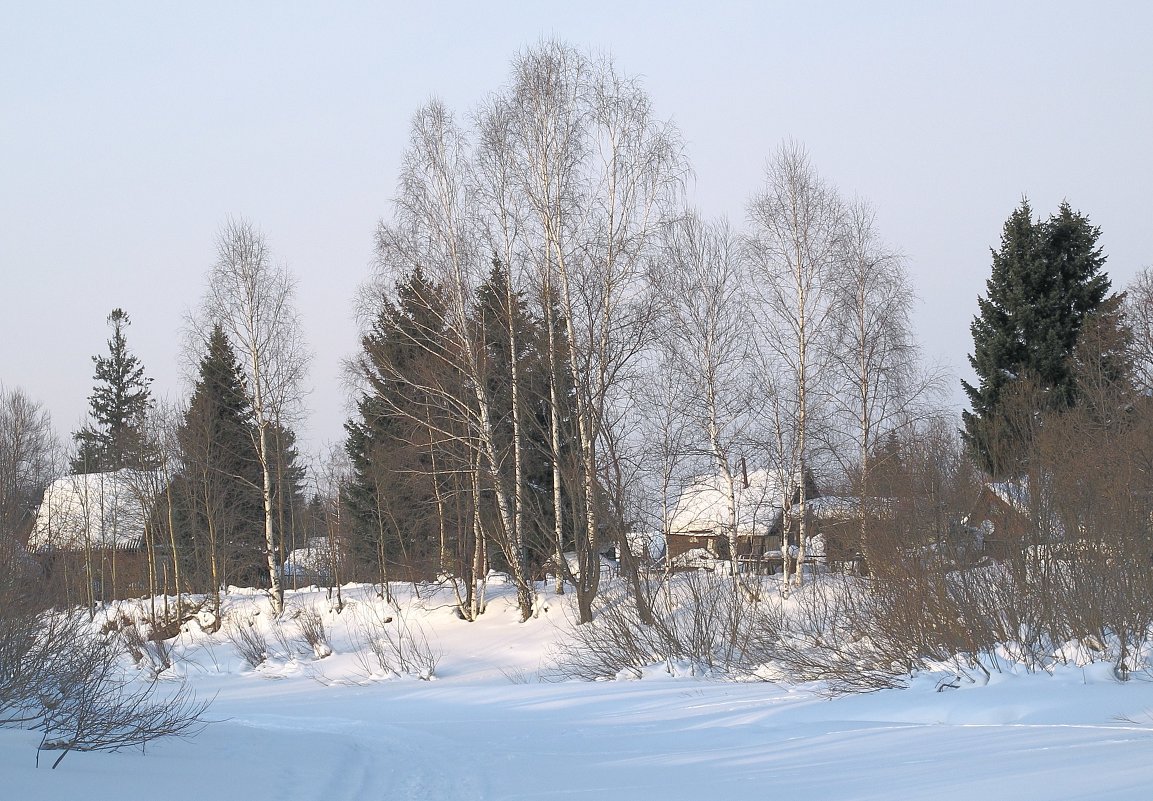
[311, 564]
[698, 528]
[1001, 514]
[833, 528]
[89, 535]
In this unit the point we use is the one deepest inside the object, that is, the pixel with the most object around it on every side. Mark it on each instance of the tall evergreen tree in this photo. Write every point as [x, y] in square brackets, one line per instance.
[120, 400]
[1047, 279]
[391, 498]
[220, 513]
[413, 447]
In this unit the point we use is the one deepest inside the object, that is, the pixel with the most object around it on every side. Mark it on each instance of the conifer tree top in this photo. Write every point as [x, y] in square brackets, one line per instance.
[1047, 278]
[119, 402]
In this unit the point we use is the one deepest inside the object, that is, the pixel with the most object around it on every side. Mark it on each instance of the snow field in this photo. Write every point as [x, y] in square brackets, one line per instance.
[486, 727]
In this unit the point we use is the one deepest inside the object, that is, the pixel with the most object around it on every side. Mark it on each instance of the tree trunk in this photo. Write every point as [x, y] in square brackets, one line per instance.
[276, 591]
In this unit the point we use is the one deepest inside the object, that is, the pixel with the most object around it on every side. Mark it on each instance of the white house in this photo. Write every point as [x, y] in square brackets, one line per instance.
[89, 535]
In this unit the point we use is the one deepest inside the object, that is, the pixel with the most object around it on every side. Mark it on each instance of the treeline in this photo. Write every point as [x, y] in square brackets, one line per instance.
[555, 347]
[177, 498]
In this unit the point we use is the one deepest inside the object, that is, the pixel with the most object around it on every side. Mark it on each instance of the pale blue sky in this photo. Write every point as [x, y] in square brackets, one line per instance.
[130, 131]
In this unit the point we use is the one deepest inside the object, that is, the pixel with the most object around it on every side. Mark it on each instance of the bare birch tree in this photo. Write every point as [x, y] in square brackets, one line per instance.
[29, 457]
[511, 204]
[794, 248]
[878, 385]
[333, 472]
[667, 436]
[1139, 317]
[596, 175]
[707, 340]
[164, 516]
[253, 301]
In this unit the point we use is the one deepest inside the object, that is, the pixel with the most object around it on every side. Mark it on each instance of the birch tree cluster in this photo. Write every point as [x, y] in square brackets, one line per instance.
[635, 346]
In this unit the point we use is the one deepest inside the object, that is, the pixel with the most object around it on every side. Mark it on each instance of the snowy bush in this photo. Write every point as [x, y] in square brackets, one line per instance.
[152, 652]
[248, 640]
[312, 630]
[394, 645]
[703, 622]
[63, 677]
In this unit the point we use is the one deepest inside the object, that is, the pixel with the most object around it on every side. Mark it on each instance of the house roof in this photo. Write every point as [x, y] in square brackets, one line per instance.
[94, 510]
[314, 558]
[1014, 494]
[704, 506]
[646, 545]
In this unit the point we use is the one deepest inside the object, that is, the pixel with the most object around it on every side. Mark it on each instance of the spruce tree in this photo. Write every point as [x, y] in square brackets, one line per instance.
[221, 511]
[1046, 280]
[391, 497]
[120, 400]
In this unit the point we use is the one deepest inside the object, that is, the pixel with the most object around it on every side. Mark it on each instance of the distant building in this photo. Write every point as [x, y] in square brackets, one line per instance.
[1004, 514]
[698, 526]
[90, 532]
[311, 564]
[833, 525]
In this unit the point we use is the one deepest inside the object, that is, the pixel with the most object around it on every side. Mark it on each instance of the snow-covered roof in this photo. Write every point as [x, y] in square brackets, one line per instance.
[608, 566]
[704, 505]
[646, 545]
[94, 510]
[1033, 501]
[695, 558]
[314, 559]
[1014, 494]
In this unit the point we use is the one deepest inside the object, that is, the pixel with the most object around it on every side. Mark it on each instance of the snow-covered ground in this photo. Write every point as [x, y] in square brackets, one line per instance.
[486, 727]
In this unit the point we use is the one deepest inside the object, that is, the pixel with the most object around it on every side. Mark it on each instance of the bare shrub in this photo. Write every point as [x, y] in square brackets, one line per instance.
[167, 620]
[821, 634]
[395, 645]
[615, 641]
[703, 623]
[928, 597]
[62, 679]
[312, 629]
[289, 647]
[519, 676]
[860, 634]
[28, 642]
[248, 640]
[89, 704]
[152, 653]
[1034, 570]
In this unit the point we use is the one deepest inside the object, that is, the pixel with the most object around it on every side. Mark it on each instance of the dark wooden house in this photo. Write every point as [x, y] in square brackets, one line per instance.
[703, 516]
[89, 536]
